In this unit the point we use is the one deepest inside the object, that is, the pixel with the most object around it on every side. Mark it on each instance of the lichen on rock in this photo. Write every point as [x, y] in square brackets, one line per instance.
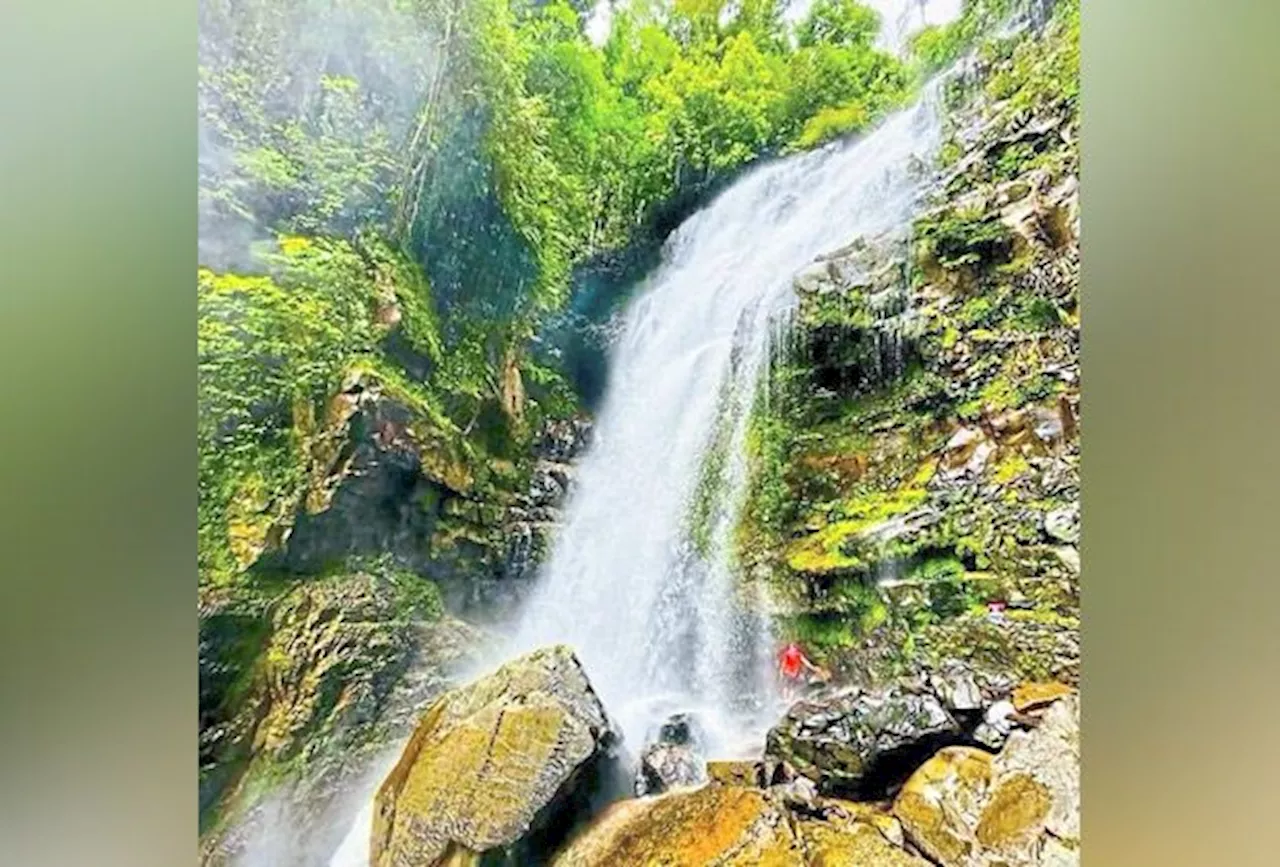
[1020, 807]
[732, 826]
[496, 769]
[861, 742]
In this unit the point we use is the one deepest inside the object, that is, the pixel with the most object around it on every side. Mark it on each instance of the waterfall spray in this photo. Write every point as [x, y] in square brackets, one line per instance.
[650, 599]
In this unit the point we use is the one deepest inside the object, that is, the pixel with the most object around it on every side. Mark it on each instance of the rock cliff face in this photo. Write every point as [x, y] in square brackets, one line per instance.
[346, 619]
[384, 485]
[916, 469]
[299, 695]
[534, 515]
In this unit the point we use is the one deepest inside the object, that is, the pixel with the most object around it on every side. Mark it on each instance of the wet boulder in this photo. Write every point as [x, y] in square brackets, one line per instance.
[738, 772]
[720, 825]
[674, 759]
[498, 770]
[861, 743]
[957, 686]
[734, 826]
[1021, 807]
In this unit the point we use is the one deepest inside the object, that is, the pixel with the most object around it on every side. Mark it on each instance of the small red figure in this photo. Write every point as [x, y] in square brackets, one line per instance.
[792, 663]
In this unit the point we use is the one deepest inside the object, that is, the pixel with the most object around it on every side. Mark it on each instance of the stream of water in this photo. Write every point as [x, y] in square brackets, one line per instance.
[640, 581]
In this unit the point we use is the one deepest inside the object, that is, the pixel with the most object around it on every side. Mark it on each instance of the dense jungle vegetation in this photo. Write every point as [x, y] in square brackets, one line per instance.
[407, 187]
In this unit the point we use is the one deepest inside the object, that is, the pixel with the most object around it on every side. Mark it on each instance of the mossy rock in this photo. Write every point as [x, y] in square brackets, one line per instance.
[302, 683]
[720, 825]
[736, 772]
[856, 844]
[495, 767]
[939, 801]
[852, 743]
[1021, 807]
[1029, 696]
[729, 826]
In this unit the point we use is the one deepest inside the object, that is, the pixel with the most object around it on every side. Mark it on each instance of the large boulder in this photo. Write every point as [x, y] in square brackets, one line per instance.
[497, 770]
[966, 808]
[733, 826]
[859, 743]
[719, 825]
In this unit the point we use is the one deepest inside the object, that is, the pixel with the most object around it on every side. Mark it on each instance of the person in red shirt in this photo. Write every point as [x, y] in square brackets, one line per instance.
[792, 664]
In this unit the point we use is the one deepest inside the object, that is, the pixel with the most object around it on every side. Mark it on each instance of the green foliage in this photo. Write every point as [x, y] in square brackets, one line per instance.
[270, 350]
[830, 123]
[838, 23]
[772, 503]
[1036, 313]
[938, 568]
[951, 597]
[852, 610]
[964, 237]
[977, 312]
[1043, 72]
[840, 545]
[455, 161]
[935, 46]
[494, 141]
[416, 597]
[300, 108]
[825, 632]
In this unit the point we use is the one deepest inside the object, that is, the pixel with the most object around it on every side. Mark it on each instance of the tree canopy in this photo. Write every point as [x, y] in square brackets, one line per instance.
[468, 154]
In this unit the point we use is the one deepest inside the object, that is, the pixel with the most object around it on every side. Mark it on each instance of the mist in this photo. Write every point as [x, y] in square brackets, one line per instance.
[290, 93]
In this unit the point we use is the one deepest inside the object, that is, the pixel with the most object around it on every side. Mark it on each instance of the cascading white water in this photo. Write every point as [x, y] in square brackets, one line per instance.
[651, 607]
[659, 621]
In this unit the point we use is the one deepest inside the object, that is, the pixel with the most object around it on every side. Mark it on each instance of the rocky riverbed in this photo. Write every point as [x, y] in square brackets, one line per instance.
[524, 767]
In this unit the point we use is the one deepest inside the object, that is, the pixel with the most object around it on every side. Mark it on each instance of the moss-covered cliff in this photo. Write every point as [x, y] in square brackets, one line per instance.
[918, 457]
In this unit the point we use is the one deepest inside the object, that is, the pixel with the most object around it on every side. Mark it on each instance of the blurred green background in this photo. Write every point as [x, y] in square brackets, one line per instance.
[97, 449]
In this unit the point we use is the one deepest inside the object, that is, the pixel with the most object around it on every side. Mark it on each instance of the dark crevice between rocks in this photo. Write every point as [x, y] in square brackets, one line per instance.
[847, 362]
[229, 645]
[885, 775]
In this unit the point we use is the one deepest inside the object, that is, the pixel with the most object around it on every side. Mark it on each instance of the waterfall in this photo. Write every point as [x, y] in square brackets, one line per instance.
[640, 581]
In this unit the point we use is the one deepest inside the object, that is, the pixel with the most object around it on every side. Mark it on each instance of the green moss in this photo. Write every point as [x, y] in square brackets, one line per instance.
[970, 236]
[836, 547]
[820, 632]
[1035, 313]
[938, 567]
[951, 597]
[710, 488]
[950, 152]
[1013, 160]
[828, 468]
[976, 312]
[1042, 72]
[1011, 466]
[419, 596]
